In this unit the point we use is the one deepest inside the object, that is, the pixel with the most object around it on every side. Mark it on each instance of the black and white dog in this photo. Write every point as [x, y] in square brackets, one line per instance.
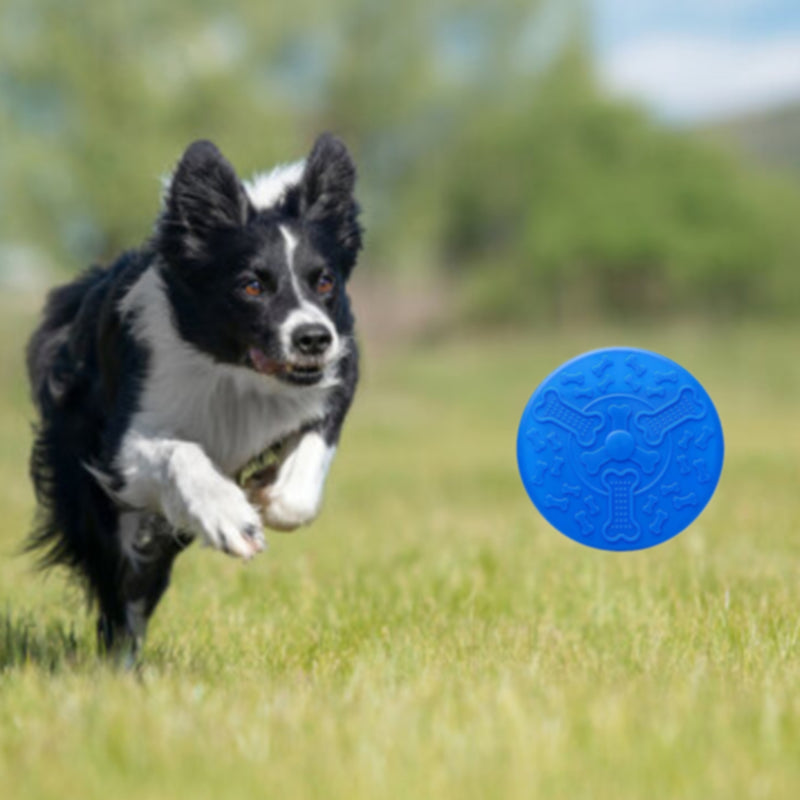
[159, 379]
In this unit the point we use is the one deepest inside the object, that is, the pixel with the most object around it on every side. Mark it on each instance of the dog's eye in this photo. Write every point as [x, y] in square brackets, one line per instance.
[254, 288]
[324, 283]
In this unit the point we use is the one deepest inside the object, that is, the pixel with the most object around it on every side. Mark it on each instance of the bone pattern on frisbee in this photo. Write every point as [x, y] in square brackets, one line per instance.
[627, 422]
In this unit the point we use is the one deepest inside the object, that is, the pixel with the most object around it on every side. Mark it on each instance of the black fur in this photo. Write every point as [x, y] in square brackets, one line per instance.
[85, 372]
[88, 368]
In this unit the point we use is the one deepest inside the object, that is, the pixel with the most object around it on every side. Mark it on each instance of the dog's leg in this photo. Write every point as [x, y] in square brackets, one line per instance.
[178, 480]
[149, 547]
[294, 495]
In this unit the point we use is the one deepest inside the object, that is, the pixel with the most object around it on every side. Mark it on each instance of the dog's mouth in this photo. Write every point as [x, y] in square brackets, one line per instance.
[305, 373]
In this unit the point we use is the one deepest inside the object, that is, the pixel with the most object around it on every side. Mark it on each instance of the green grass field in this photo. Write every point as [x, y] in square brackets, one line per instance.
[430, 636]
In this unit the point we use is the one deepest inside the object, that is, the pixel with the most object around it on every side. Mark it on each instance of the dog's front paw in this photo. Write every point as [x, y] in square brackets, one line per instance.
[226, 521]
[285, 510]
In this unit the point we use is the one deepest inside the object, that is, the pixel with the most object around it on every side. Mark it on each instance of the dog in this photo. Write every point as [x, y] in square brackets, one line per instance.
[160, 379]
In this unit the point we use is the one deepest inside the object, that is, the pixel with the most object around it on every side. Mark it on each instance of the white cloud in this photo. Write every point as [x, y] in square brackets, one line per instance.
[688, 78]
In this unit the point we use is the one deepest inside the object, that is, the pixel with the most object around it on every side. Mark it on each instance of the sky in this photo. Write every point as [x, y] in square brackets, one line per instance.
[691, 61]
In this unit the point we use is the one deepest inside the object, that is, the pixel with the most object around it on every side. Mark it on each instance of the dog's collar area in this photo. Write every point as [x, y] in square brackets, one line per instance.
[262, 468]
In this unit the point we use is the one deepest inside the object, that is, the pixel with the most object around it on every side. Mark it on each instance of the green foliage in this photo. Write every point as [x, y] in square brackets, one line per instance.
[101, 98]
[487, 154]
[568, 205]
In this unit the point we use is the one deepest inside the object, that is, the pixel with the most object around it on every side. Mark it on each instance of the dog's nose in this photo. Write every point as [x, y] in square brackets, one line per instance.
[311, 339]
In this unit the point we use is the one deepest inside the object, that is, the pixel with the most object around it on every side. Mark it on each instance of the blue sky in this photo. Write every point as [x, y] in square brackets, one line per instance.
[693, 60]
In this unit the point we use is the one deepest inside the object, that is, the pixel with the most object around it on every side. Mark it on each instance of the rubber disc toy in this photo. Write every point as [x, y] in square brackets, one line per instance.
[620, 449]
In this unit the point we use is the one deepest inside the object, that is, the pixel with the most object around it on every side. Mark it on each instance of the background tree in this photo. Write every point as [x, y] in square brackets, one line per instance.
[488, 156]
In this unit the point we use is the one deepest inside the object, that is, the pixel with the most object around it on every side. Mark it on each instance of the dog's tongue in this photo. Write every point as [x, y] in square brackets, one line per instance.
[264, 364]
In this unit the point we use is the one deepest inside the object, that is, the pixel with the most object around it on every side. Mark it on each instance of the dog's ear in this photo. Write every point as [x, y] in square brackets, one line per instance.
[326, 196]
[204, 198]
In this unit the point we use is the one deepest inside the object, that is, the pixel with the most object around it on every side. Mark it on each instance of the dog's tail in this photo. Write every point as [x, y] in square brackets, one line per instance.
[56, 354]
[50, 367]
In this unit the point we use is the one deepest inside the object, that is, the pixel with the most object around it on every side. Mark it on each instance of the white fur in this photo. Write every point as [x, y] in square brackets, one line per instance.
[177, 479]
[296, 496]
[267, 189]
[306, 313]
[199, 423]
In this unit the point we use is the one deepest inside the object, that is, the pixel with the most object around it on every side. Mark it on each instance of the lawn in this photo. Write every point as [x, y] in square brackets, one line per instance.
[431, 636]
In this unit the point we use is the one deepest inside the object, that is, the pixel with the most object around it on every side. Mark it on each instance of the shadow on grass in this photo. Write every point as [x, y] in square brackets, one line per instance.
[25, 641]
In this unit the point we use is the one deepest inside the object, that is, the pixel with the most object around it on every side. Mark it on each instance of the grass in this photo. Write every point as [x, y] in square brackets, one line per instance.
[430, 635]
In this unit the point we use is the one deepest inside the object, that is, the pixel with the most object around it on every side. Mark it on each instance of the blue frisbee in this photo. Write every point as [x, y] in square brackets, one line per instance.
[620, 449]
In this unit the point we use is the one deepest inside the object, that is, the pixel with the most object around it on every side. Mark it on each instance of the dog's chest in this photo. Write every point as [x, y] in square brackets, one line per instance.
[233, 416]
[232, 412]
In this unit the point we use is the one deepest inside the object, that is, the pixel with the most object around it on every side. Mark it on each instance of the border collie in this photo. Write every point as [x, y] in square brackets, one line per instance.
[161, 379]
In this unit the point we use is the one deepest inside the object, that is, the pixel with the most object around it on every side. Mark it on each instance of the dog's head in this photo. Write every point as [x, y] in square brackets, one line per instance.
[256, 273]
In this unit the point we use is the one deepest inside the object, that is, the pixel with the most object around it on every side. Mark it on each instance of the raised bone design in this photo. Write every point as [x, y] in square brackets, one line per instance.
[556, 502]
[687, 500]
[703, 475]
[633, 383]
[567, 488]
[604, 384]
[584, 426]
[583, 521]
[601, 366]
[620, 446]
[636, 365]
[573, 377]
[538, 473]
[683, 464]
[650, 504]
[619, 417]
[666, 377]
[557, 466]
[536, 439]
[621, 523]
[658, 523]
[701, 442]
[655, 424]
[589, 502]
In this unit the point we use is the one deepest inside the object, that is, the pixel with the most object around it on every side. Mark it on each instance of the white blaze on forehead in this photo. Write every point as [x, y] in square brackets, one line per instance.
[291, 245]
[306, 312]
